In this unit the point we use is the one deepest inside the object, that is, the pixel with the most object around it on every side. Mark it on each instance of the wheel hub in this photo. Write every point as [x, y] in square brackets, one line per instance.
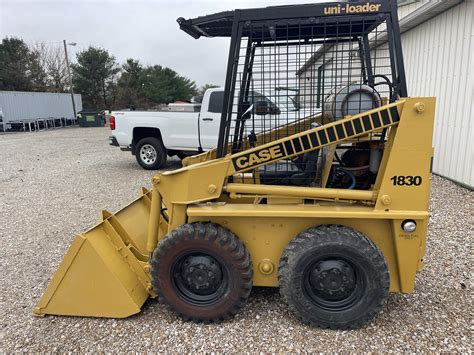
[148, 154]
[201, 274]
[333, 280]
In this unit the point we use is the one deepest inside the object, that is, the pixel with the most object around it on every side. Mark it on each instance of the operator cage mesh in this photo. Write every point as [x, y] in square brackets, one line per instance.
[281, 72]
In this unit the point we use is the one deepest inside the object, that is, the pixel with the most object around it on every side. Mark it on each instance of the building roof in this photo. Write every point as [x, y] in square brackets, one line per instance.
[426, 12]
[423, 13]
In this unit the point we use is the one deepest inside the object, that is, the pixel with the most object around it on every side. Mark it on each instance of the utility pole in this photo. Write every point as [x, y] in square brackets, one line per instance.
[70, 76]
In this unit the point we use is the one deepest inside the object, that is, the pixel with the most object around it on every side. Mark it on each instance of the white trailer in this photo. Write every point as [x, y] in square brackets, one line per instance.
[37, 109]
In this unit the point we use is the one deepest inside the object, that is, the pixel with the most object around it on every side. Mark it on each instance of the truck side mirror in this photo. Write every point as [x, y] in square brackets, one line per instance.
[246, 110]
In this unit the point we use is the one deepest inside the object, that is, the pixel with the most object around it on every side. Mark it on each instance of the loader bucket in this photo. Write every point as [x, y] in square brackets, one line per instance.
[103, 273]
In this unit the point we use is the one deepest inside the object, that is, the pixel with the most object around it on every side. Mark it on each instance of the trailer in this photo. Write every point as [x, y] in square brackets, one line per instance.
[37, 110]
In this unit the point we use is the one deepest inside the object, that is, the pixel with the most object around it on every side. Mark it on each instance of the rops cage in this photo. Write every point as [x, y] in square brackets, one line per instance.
[291, 68]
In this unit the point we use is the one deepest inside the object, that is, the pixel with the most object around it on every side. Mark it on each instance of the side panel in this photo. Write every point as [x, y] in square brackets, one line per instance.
[179, 130]
[405, 181]
[28, 106]
[267, 237]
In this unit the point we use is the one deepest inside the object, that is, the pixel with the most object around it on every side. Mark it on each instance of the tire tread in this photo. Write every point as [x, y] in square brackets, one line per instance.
[217, 235]
[329, 234]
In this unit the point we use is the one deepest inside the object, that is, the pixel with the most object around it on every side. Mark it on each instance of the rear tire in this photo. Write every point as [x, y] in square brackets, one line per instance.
[150, 153]
[202, 272]
[333, 277]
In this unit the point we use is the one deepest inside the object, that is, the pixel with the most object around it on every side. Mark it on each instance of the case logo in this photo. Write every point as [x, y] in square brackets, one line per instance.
[258, 157]
[351, 9]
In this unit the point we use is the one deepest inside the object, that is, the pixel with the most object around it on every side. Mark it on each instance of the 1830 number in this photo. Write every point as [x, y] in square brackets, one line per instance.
[406, 180]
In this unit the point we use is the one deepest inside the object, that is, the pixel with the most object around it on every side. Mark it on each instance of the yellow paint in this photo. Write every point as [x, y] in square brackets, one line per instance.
[105, 273]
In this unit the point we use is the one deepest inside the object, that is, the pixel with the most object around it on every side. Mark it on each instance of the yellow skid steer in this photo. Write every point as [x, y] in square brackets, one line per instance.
[319, 184]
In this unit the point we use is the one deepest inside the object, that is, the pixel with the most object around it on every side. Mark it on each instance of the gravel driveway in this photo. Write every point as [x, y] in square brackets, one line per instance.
[53, 185]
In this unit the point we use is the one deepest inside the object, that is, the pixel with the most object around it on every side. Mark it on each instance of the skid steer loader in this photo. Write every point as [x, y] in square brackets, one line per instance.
[319, 184]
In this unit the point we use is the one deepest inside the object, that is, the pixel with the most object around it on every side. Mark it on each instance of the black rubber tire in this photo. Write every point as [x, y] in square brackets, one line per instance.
[219, 243]
[333, 242]
[161, 155]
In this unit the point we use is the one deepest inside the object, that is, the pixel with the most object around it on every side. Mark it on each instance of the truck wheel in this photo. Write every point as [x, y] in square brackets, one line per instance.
[202, 272]
[150, 153]
[333, 277]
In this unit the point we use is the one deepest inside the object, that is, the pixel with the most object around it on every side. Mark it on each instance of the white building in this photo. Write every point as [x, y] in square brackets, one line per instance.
[438, 47]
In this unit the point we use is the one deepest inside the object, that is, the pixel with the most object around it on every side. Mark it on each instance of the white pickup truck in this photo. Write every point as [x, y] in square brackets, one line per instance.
[152, 136]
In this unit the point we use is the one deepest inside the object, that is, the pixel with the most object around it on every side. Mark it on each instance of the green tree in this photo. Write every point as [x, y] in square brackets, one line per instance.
[129, 85]
[20, 68]
[163, 85]
[37, 73]
[94, 77]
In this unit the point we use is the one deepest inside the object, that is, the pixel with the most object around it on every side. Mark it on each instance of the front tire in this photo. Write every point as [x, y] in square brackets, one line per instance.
[333, 277]
[150, 153]
[202, 272]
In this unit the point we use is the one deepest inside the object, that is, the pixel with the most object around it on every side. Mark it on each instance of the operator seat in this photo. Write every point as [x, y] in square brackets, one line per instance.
[297, 172]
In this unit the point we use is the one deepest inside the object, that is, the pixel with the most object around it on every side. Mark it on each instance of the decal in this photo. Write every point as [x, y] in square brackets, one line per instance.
[406, 180]
[352, 8]
[258, 157]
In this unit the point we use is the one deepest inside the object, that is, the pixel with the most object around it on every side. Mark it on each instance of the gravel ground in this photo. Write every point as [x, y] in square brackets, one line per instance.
[53, 185]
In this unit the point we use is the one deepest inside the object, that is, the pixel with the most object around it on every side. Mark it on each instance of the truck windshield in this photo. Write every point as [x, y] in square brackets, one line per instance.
[287, 99]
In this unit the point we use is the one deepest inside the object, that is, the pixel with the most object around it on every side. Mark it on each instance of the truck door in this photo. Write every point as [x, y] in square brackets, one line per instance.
[210, 118]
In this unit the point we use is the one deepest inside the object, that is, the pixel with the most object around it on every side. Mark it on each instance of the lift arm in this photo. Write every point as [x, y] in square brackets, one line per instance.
[316, 138]
[205, 181]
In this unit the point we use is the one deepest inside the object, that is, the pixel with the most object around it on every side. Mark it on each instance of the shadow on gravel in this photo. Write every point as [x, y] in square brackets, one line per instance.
[264, 292]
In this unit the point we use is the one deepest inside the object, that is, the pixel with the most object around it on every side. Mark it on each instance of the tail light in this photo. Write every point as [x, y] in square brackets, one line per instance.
[112, 122]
